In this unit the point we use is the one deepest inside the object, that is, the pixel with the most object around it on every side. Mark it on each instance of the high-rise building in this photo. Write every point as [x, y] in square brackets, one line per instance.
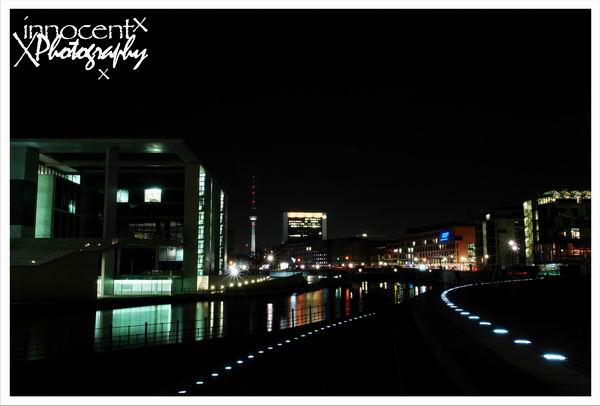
[151, 210]
[501, 239]
[557, 228]
[304, 226]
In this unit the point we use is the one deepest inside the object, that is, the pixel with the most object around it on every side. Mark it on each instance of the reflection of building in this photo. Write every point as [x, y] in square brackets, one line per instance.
[304, 226]
[150, 200]
[557, 228]
[449, 246]
[500, 238]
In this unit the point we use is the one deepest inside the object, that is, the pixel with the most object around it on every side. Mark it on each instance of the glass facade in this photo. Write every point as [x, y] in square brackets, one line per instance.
[221, 233]
[201, 219]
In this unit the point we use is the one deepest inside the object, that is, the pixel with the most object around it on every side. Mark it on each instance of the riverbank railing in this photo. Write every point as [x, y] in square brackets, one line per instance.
[29, 346]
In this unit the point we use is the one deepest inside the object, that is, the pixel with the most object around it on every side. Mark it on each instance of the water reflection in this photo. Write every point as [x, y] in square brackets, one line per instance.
[40, 335]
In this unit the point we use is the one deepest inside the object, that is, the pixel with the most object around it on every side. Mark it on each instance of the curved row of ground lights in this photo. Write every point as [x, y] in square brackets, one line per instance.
[241, 361]
[496, 330]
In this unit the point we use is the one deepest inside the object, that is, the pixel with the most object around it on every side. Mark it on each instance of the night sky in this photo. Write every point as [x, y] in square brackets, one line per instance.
[384, 119]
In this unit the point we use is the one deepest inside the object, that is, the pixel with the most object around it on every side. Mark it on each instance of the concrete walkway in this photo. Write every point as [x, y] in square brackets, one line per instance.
[482, 362]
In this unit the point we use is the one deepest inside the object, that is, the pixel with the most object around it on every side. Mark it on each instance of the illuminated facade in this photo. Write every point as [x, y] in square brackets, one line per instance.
[304, 226]
[151, 200]
[447, 246]
[557, 228]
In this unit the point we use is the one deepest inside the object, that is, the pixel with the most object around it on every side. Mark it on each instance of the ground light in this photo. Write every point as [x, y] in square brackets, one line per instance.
[485, 323]
[522, 341]
[474, 317]
[500, 331]
[554, 357]
[214, 375]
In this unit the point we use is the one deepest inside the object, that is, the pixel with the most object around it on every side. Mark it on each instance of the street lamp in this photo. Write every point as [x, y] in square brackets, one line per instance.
[514, 247]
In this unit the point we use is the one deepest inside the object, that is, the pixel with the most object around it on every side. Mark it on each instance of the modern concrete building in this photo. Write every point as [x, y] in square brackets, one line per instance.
[558, 228]
[447, 246]
[157, 217]
[304, 226]
[501, 239]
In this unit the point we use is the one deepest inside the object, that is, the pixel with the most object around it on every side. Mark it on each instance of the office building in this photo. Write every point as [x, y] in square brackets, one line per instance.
[446, 246]
[148, 208]
[500, 239]
[355, 251]
[557, 228]
[304, 226]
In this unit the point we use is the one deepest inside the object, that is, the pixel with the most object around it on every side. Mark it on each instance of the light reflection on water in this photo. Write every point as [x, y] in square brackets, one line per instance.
[170, 323]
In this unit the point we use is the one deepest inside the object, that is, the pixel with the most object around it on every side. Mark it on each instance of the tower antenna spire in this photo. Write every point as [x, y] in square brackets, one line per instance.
[253, 218]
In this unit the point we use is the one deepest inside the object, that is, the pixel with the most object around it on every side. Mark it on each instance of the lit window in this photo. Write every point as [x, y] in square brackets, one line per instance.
[72, 208]
[152, 195]
[575, 233]
[122, 196]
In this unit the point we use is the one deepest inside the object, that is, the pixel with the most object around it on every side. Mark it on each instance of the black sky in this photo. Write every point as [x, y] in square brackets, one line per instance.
[385, 119]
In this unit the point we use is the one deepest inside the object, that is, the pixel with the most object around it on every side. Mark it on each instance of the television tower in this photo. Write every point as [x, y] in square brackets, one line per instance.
[253, 218]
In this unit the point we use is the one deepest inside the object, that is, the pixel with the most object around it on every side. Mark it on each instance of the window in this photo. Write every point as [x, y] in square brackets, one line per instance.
[152, 195]
[575, 233]
[170, 254]
[122, 196]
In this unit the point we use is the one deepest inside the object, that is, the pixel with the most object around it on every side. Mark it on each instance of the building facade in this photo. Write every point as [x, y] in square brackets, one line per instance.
[162, 216]
[500, 239]
[446, 246]
[304, 226]
[557, 228]
[347, 252]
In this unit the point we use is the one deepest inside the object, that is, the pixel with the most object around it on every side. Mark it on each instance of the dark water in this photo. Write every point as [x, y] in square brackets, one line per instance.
[41, 334]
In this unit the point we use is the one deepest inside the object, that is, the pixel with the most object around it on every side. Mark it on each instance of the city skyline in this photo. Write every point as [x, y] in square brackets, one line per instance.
[288, 203]
[382, 129]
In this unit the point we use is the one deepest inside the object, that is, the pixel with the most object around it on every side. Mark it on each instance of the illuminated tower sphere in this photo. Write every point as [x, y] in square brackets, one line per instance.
[253, 218]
